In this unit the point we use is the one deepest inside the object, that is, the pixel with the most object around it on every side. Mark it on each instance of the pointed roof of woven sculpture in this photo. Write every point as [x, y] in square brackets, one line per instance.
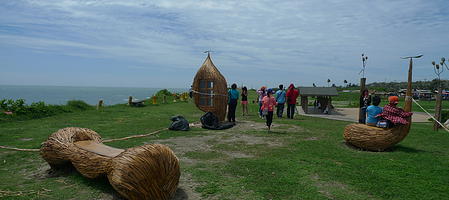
[208, 67]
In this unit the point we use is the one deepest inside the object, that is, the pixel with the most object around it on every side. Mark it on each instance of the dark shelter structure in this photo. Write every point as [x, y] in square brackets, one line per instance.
[323, 101]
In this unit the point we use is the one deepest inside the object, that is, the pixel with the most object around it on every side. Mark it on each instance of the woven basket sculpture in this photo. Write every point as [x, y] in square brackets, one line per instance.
[145, 172]
[210, 89]
[380, 139]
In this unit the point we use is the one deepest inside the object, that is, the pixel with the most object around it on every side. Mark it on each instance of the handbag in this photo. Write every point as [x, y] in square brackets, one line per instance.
[382, 123]
[265, 112]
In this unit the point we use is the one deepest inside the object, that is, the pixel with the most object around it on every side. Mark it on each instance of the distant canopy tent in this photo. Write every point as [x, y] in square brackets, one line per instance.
[210, 89]
[323, 95]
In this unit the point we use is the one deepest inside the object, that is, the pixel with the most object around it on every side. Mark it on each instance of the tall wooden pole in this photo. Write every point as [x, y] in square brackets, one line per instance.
[408, 94]
[436, 126]
[362, 88]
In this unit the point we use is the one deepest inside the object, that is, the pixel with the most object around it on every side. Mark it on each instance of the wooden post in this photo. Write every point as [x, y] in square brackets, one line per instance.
[362, 87]
[100, 104]
[437, 109]
[305, 104]
[154, 100]
[408, 94]
[130, 100]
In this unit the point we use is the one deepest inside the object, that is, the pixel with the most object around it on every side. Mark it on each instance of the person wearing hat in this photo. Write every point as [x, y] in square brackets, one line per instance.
[268, 104]
[394, 114]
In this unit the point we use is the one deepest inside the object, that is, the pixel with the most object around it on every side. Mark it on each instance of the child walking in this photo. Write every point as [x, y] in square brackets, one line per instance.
[268, 104]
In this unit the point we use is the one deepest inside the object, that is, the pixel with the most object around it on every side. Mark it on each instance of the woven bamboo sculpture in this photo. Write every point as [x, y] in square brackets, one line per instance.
[146, 172]
[210, 89]
[379, 139]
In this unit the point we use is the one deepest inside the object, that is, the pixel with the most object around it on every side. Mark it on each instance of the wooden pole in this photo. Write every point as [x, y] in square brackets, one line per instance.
[154, 100]
[438, 98]
[408, 94]
[362, 87]
[100, 104]
[130, 100]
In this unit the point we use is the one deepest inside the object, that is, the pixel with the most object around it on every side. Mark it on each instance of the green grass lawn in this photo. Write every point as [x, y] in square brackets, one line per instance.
[308, 159]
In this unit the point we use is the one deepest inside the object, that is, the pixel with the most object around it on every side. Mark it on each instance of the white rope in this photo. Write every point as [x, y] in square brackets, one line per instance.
[196, 92]
[431, 115]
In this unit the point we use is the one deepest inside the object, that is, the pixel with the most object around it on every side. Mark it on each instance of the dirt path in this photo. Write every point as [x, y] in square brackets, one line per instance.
[223, 143]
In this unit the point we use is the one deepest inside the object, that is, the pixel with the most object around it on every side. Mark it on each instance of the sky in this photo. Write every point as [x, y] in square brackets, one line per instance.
[160, 44]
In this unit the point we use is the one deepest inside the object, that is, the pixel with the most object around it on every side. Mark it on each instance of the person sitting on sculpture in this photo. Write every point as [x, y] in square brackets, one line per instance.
[372, 111]
[394, 115]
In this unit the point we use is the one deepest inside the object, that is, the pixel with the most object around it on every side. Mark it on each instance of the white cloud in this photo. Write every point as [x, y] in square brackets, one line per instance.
[321, 39]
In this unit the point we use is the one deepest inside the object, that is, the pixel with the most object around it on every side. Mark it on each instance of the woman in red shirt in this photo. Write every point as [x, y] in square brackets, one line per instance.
[292, 95]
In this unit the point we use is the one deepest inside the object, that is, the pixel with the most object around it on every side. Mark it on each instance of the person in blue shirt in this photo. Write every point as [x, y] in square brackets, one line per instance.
[372, 111]
[280, 99]
[233, 96]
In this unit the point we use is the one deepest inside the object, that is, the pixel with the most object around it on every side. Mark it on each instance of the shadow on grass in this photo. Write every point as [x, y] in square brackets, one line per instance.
[401, 148]
[396, 148]
[100, 184]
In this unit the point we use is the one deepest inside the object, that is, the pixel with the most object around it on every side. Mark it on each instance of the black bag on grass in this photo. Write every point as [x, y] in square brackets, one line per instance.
[210, 121]
[179, 124]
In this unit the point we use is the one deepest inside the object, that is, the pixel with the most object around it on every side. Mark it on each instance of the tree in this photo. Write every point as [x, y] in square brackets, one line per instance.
[328, 81]
[346, 83]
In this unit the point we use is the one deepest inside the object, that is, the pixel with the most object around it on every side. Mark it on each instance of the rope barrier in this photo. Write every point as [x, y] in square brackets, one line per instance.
[105, 141]
[207, 94]
[445, 128]
[17, 149]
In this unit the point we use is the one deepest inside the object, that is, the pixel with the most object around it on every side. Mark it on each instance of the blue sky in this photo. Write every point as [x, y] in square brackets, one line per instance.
[161, 43]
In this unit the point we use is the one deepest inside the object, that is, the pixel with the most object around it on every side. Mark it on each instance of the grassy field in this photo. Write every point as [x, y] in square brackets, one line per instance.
[304, 158]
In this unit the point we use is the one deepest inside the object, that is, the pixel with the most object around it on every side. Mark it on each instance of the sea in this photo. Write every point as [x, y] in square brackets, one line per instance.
[91, 95]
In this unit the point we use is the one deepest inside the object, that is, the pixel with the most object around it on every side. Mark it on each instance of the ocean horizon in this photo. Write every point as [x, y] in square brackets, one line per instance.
[91, 95]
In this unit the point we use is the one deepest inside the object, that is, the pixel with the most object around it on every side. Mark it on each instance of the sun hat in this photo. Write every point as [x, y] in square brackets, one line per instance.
[393, 99]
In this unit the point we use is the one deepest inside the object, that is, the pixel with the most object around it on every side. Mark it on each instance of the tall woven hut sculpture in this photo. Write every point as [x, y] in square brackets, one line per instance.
[210, 89]
[379, 139]
[150, 171]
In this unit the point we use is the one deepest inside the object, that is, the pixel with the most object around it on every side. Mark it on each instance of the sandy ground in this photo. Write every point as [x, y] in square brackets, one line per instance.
[352, 114]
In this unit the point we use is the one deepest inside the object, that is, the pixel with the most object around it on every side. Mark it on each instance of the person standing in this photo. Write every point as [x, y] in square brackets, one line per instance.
[292, 95]
[280, 99]
[233, 96]
[262, 93]
[268, 104]
[365, 101]
[244, 101]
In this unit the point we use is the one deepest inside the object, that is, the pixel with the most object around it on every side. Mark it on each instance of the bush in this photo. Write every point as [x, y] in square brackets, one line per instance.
[79, 105]
[22, 111]
[164, 92]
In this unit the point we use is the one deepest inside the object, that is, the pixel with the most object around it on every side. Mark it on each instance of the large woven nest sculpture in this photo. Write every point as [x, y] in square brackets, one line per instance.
[210, 89]
[145, 172]
[380, 139]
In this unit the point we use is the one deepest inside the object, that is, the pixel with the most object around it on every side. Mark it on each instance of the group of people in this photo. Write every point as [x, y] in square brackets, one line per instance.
[388, 116]
[267, 100]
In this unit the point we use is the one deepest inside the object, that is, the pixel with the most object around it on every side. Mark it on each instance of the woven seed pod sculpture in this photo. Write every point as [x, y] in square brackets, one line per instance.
[210, 89]
[380, 139]
[146, 172]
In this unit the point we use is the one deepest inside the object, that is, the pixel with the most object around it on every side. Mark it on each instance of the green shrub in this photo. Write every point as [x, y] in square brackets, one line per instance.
[22, 111]
[79, 105]
[164, 92]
